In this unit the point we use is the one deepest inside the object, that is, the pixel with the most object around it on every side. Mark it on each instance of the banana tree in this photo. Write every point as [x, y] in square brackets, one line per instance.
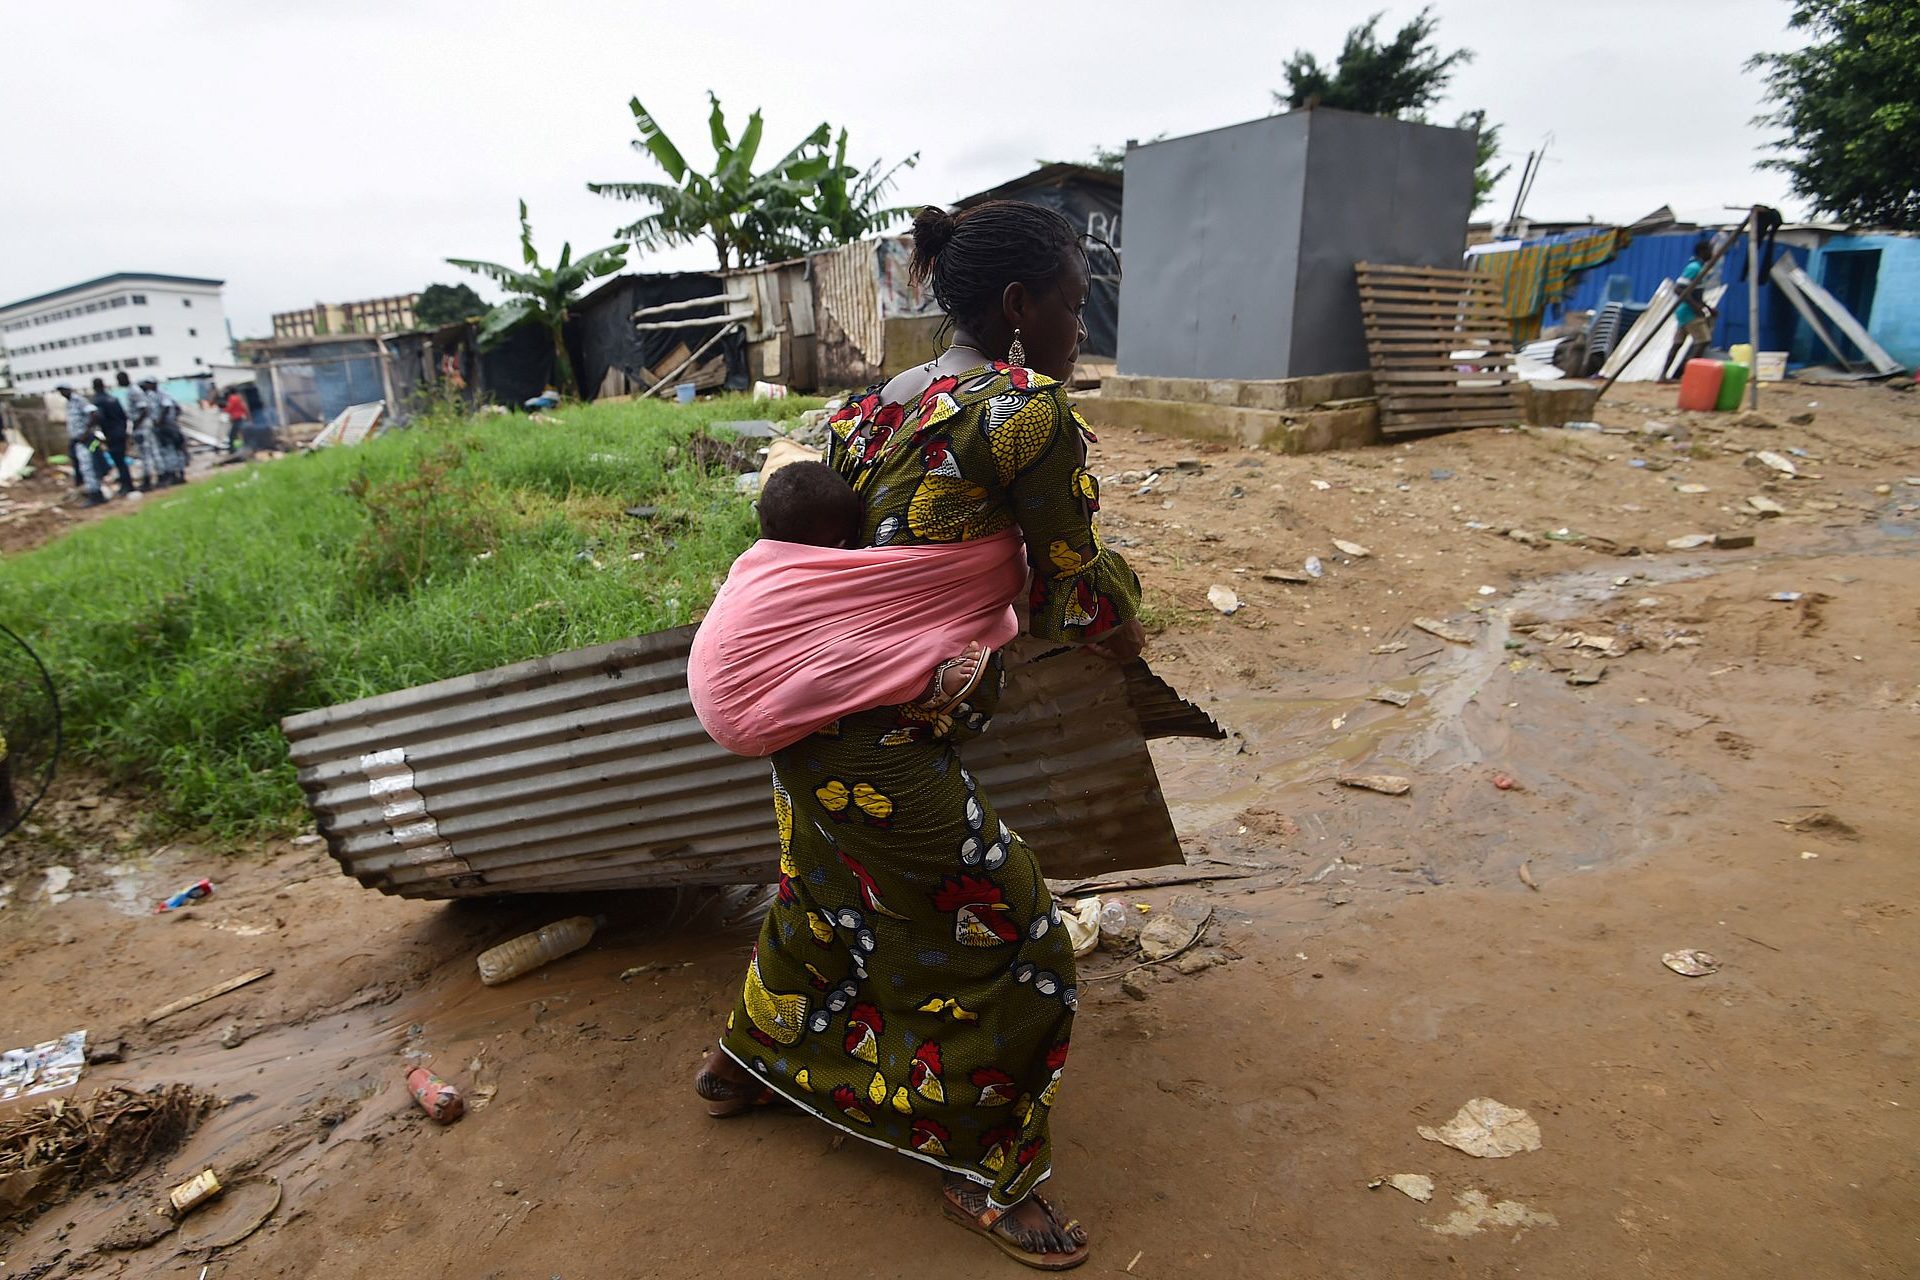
[749, 217]
[541, 294]
[847, 203]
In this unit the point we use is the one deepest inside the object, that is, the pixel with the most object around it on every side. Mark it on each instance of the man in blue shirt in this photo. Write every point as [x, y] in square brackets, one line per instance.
[82, 426]
[1693, 314]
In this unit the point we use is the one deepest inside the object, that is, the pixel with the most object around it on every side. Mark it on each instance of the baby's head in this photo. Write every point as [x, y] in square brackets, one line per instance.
[808, 502]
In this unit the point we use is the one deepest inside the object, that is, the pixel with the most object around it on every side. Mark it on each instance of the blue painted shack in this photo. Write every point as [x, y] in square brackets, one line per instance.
[1876, 276]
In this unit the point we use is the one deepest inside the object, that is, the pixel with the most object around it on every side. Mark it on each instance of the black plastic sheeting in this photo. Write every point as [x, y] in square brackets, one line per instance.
[601, 333]
[1092, 205]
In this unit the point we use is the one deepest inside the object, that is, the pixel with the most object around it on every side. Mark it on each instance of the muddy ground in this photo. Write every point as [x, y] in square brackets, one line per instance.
[1738, 780]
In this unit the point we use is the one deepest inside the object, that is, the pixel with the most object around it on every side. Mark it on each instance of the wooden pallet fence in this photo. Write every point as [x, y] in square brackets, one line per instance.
[1439, 347]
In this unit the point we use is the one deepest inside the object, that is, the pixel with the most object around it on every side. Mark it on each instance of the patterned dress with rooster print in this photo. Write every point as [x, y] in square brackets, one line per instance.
[913, 984]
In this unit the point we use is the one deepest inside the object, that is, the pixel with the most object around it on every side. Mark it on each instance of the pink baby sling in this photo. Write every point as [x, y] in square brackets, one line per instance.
[800, 636]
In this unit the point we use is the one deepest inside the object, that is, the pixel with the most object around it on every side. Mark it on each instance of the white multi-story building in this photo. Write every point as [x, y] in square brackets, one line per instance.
[150, 325]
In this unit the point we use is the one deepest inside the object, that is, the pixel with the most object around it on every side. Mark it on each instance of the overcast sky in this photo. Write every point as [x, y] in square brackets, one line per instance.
[340, 149]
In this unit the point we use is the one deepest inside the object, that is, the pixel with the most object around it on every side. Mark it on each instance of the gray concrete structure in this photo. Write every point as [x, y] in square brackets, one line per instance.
[1241, 241]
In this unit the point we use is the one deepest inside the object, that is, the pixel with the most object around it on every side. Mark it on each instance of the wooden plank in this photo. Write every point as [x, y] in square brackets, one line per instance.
[1422, 377]
[1453, 284]
[1437, 292]
[1439, 405]
[1395, 269]
[1412, 425]
[1413, 314]
[1470, 336]
[1431, 306]
[1479, 413]
[1399, 397]
[201, 997]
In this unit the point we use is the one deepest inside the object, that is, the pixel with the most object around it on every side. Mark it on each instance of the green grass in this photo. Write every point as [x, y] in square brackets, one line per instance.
[178, 636]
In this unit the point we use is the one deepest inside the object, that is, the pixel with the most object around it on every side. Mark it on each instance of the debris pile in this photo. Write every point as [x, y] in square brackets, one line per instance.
[55, 1150]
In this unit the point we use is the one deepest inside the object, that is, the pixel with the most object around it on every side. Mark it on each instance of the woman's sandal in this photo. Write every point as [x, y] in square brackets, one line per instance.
[986, 1221]
[725, 1099]
[939, 702]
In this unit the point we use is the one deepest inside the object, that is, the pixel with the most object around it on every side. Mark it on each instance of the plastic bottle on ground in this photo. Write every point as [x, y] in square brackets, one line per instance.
[531, 950]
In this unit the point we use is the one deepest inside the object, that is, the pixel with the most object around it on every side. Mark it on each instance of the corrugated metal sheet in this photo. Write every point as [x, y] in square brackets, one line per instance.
[1649, 259]
[588, 770]
[846, 285]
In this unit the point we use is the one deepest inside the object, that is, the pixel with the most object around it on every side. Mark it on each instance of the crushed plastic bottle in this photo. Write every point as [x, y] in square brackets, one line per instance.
[1119, 924]
[531, 950]
[192, 893]
[1314, 567]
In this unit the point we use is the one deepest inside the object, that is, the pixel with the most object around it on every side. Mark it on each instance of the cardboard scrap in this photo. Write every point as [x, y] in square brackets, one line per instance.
[1488, 1129]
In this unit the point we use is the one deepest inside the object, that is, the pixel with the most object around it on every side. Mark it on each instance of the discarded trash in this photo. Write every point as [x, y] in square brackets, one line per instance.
[244, 1207]
[1773, 462]
[1119, 927]
[201, 997]
[1587, 675]
[199, 889]
[1784, 597]
[1732, 541]
[1691, 488]
[1689, 541]
[1487, 1129]
[1286, 575]
[531, 950]
[1083, 926]
[1134, 985]
[1353, 549]
[1690, 963]
[1386, 784]
[652, 966]
[1583, 426]
[55, 883]
[1396, 646]
[1808, 855]
[1175, 930]
[310, 838]
[194, 1192]
[44, 1067]
[1223, 599]
[1476, 1213]
[1503, 782]
[440, 1100]
[1446, 631]
[1526, 876]
[1397, 697]
[1417, 1185]
[1636, 462]
[1321, 485]
[1314, 568]
[1439, 473]
[1489, 591]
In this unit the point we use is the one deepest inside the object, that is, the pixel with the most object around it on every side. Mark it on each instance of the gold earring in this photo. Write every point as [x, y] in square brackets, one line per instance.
[1016, 350]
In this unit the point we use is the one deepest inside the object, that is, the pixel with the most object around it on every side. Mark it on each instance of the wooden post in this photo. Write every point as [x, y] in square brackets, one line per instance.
[1753, 307]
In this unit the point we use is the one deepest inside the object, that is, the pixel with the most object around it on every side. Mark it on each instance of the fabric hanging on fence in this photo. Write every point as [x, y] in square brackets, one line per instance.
[1542, 271]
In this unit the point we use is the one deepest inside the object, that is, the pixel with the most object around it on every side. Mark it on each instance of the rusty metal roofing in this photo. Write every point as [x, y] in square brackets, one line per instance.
[588, 770]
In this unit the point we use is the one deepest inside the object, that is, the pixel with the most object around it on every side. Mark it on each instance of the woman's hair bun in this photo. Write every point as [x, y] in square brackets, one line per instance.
[932, 229]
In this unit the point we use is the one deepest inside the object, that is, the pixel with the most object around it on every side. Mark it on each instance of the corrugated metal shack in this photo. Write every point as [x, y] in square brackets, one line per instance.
[840, 318]
[1091, 200]
[588, 770]
[639, 330]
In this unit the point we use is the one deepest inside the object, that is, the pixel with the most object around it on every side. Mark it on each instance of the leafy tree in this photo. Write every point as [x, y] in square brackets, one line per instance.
[1486, 149]
[848, 203]
[749, 217]
[1402, 79]
[541, 294]
[440, 304]
[1850, 105]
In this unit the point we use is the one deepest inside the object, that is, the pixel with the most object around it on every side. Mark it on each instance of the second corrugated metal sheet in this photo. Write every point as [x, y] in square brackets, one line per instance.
[588, 770]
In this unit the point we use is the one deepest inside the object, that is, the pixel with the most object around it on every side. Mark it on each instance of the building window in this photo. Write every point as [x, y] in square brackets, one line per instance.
[193, 333]
[152, 361]
[120, 301]
[145, 329]
[186, 302]
[198, 360]
[139, 299]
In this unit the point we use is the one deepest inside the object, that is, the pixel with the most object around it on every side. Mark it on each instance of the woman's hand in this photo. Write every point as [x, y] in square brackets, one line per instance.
[1123, 643]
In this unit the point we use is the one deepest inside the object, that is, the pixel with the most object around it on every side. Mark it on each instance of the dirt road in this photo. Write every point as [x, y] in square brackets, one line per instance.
[1737, 779]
